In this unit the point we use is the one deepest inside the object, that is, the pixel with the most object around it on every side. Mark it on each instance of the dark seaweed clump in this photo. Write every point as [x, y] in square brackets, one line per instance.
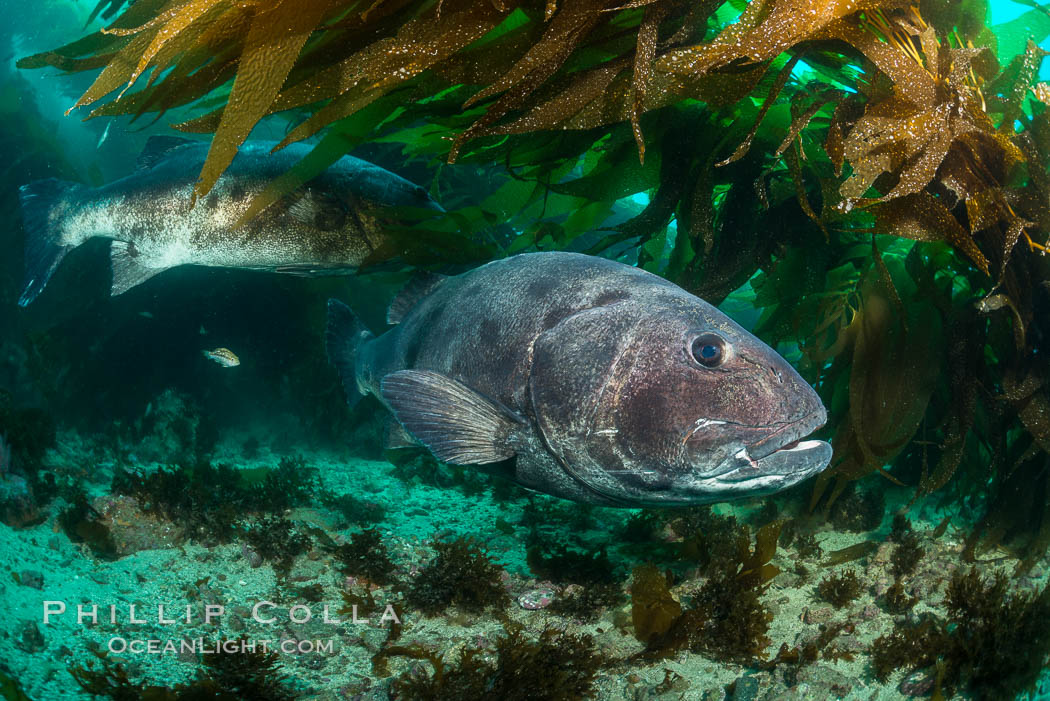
[25, 435]
[209, 499]
[540, 514]
[735, 621]
[559, 666]
[353, 510]
[365, 555]
[713, 541]
[857, 511]
[560, 564]
[897, 600]
[277, 541]
[641, 526]
[586, 603]
[727, 620]
[29, 432]
[839, 589]
[790, 660]
[462, 574]
[242, 671]
[993, 644]
[909, 552]
[798, 533]
[82, 523]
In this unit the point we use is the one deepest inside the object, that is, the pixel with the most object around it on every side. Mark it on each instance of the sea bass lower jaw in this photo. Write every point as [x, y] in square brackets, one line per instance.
[332, 224]
[780, 459]
[780, 470]
[583, 378]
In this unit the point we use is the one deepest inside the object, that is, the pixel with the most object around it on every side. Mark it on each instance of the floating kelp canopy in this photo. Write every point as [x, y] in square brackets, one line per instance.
[707, 141]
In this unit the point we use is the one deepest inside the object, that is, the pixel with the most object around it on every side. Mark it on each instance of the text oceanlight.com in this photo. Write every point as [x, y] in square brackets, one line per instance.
[200, 646]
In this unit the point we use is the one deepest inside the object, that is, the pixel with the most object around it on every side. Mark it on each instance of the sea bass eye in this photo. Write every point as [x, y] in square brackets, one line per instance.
[709, 350]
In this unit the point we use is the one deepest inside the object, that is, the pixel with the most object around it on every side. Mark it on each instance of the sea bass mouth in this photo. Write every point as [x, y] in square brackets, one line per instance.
[779, 459]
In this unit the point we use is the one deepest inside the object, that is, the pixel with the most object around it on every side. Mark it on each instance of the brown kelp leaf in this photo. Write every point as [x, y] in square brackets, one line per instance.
[910, 79]
[571, 104]
[756, 564]
[189, 38]
[161, 97]
[166, 27]
[603, 95]
[894, 138]
[117, 73]
[765, 30]
[1033, 405]
[648, 33]
[574, 20]
[653, 609]
[800, 118]
[893, 373]
[964, 350]
[273, 43]
[846, 114]
[985, 208]
[570, 25]
[98, 42]
[778, 85]
[922, 217]
[380, 67]
[795, 168]
[1031, 60]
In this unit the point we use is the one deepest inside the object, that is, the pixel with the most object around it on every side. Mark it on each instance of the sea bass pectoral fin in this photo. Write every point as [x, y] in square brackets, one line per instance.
[457, 424]
[343, 337]
[43, 240]
[127, 270]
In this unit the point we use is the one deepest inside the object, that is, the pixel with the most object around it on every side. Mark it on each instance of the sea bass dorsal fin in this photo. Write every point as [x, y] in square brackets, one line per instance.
[158, 147]
[457, 424]
[127, 270]
[421, 285]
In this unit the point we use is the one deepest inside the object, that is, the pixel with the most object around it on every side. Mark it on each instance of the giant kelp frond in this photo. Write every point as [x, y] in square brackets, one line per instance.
[917, 126]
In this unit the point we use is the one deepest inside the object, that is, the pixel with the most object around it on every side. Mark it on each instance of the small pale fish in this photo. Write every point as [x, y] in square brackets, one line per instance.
[993, 302]
[105, 135]
[223, 356]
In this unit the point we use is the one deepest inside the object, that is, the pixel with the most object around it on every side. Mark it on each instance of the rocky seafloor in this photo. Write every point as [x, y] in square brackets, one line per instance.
[312, 533]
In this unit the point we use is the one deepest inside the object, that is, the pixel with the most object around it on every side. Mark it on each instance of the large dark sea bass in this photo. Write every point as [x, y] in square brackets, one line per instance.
[586, 379]
[332, 224]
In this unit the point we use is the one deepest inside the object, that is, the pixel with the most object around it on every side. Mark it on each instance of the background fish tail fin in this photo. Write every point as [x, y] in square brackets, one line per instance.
[43, 247]
[343, 338]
